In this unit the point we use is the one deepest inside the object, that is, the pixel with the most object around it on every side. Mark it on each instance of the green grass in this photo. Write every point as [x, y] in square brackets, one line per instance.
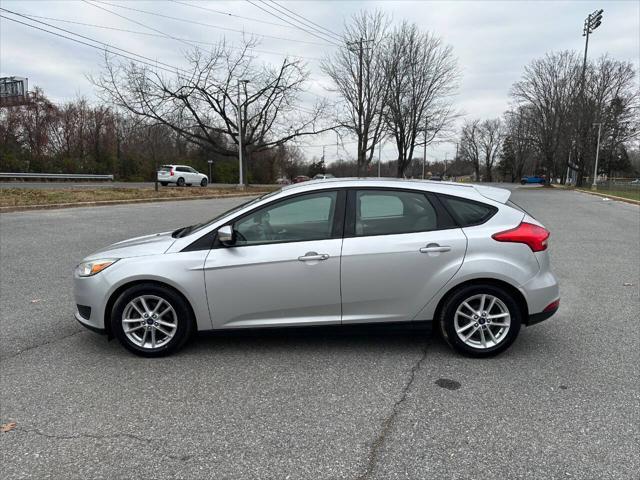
[19, 197]
[633, 194]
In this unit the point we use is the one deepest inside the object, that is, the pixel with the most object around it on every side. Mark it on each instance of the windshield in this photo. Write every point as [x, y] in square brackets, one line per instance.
[183, 232]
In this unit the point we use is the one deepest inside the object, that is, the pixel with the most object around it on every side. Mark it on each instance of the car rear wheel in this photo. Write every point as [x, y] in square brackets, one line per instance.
[204, 182]
[480, 320]
[523, 182]
[180, 182]
[151, 320]
[164, 184]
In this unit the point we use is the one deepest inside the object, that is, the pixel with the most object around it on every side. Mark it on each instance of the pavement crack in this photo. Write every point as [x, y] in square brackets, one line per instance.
[387, 423]
[96, 436]
[33, 347]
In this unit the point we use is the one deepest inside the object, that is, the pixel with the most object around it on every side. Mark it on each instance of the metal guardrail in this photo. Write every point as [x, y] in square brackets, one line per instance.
[54, 176]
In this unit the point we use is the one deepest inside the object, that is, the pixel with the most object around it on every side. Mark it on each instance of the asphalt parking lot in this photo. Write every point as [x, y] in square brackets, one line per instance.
[563, 402]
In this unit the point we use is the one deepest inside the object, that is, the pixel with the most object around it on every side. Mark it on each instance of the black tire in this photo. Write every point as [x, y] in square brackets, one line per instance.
[204, 182]
[180, 182]
[185, 322]
[447, 314]
[164, 184]
[523, 182]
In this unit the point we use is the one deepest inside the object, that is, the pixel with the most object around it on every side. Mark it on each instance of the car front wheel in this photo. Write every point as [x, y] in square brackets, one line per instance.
[151, 320]
[480, 320]
[204, 182]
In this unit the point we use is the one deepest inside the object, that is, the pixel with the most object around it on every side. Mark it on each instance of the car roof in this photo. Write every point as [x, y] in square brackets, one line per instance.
[467, 190]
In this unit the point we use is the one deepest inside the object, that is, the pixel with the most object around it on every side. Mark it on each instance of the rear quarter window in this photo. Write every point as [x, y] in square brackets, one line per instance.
[468, 212]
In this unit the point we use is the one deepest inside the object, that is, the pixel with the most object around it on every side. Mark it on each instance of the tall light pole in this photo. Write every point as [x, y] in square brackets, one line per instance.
[240, 137]
[592, 22]
[379, 157]
[594, 185]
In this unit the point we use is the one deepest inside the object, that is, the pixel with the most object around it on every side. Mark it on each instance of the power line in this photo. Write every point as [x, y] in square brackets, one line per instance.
[139, 23]
[336, 35]
[329, 39]
[89, 44]
[158, 35]
[193, 22]
[220, 12]
[93, 40]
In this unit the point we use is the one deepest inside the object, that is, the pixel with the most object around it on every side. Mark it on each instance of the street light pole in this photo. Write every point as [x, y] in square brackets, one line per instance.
[594, 185]
[240, 139]
[379, 158]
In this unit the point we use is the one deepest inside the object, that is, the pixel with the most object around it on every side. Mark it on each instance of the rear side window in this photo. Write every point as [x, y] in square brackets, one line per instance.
[388, 212]
[468, 212]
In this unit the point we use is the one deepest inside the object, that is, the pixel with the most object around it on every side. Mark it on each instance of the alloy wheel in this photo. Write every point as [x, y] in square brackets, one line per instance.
[149, 321]
[482, 321]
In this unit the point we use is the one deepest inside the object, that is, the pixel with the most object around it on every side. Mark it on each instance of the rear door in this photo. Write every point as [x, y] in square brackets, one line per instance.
[400, 248]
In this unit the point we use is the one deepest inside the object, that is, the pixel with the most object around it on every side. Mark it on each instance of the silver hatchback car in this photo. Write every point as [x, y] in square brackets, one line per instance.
[330, 252]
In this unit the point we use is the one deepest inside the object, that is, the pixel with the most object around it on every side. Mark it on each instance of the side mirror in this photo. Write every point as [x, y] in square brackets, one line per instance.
[225, 235]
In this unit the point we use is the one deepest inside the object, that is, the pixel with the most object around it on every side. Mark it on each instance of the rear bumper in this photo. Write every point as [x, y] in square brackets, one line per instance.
[540, 317]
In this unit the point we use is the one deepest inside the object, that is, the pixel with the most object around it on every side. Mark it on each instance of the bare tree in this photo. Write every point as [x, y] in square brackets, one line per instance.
[549, 88]
[470, 149]
[358, 72]
[490, 140]
[422, 75]
[201, 103]
[518, 146]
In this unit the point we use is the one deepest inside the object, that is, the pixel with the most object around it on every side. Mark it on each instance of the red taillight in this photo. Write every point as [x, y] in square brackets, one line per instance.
[171, 173]
[527, 233]
[553, 306]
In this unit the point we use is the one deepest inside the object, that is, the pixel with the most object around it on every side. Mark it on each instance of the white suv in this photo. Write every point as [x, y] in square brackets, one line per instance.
[181, 175]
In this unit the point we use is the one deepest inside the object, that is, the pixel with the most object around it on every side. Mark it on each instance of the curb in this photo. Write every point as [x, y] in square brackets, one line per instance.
[106, 203]
[613, 197]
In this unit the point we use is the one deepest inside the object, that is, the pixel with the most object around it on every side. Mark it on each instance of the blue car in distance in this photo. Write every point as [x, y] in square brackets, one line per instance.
[533, 179]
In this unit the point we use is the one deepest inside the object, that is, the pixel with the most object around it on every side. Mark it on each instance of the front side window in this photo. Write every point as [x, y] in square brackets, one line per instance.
[302, 218]
[385, 212]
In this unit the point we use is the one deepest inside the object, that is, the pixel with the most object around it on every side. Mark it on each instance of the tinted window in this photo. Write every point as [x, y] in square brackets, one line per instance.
[467, 212]
[303, 218]
[182, 169]
[165, 168]
[384, 212]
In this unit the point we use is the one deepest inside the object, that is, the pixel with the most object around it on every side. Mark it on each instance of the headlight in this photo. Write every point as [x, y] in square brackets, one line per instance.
[87, 269]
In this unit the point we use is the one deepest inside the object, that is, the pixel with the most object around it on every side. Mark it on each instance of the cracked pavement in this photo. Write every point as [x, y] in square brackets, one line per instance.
[563, 402]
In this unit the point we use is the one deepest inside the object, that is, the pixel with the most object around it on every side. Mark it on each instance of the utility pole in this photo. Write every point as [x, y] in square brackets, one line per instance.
[424, 154]
[594, 185]
[445, 165]
[240, 138]
[360, 108]
[379, 158]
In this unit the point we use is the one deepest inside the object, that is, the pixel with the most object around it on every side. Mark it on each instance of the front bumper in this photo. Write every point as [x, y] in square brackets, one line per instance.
[91, 294]
[81, 320]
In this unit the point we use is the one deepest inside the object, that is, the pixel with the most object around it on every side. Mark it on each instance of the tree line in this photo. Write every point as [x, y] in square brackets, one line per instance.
[393, 84]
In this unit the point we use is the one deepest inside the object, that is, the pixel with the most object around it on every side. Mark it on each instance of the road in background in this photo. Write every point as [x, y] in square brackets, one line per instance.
[66, 185]
[562, 402]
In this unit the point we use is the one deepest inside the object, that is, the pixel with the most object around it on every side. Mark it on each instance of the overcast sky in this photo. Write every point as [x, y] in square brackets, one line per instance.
[493, 41]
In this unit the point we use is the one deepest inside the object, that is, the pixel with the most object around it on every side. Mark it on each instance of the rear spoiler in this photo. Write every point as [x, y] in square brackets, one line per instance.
[497, 194]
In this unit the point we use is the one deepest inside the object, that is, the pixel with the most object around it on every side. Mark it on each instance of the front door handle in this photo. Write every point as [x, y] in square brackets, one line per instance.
[435, 248]
[311, 256]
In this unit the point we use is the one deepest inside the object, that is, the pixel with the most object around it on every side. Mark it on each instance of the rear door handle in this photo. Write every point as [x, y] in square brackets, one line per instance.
[435, 248]
[311, 256]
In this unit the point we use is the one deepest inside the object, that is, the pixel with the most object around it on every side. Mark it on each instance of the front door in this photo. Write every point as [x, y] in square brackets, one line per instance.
[284, 266]
[397, 253]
